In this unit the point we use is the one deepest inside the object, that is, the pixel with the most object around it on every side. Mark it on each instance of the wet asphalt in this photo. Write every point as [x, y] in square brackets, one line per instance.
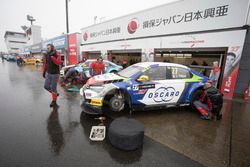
[32, 134]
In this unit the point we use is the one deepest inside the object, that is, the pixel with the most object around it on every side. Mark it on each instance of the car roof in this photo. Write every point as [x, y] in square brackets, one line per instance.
[149, 64]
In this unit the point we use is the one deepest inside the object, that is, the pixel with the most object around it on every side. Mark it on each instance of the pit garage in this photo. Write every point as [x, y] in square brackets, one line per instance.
[125, 57]
[198, 59]
[91, 55]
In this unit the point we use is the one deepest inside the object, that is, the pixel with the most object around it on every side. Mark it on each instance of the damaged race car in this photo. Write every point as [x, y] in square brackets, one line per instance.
[143, 86]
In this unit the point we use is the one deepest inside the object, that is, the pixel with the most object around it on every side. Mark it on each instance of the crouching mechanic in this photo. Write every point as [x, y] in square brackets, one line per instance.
[210, 103]
[73, 76]
[52, 61]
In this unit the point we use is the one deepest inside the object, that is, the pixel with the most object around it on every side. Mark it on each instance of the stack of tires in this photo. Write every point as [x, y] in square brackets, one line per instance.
[126, 134]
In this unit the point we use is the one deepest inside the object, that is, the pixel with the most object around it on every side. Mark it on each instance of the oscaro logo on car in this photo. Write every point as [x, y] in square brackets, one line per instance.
[163, 94]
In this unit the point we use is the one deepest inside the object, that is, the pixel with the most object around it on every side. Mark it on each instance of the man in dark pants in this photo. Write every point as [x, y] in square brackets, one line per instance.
[52, 61]
[210, 102]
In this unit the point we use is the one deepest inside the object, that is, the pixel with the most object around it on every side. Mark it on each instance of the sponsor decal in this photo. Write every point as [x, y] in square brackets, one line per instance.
[133, 25]
[163, 94]
[193, 41]
[147, 86]
[141, 92]
[88, 94]
[96, 102]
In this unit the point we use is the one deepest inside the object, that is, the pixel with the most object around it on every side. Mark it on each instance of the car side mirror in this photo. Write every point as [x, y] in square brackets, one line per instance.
[143, 78]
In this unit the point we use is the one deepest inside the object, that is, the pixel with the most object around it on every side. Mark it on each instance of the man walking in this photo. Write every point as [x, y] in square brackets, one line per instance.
[52, 61]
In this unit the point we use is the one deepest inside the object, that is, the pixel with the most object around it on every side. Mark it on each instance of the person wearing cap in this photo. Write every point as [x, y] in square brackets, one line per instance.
[205, 104]
[215, 73]
[97, 67]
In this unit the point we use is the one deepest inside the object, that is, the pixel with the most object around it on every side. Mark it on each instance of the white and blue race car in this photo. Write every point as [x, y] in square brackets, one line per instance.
[143, 85]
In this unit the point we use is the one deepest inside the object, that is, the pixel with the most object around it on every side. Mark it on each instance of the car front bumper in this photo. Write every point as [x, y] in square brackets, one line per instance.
[91, 104]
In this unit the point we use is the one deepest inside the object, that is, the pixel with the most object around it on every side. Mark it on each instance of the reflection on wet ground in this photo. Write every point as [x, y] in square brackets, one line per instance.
[32, 134]
[55, 132]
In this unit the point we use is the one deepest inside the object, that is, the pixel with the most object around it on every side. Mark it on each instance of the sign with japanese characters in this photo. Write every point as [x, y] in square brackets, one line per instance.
[174, 18]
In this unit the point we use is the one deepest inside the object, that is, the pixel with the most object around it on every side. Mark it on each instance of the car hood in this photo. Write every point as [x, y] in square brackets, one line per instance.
[105, 79]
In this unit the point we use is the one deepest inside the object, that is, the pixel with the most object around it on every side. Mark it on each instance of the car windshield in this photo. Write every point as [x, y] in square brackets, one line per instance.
[130, 71]
[84, 64]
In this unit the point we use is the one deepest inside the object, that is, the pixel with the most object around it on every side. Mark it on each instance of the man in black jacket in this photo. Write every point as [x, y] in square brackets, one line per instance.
[52, 61]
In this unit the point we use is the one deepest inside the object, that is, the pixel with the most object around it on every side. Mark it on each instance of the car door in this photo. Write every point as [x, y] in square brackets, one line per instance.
[161, 89]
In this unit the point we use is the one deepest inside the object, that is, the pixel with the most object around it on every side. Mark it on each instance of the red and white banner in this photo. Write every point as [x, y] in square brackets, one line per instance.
[73, 56]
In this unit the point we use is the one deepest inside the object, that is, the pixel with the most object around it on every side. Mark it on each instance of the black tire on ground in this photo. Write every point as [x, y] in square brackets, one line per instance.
[196, 96]
[126, 134]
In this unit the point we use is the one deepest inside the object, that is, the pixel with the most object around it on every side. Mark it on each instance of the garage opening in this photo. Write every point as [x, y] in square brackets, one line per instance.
[91, 55]
[125, 57]
[200, 59]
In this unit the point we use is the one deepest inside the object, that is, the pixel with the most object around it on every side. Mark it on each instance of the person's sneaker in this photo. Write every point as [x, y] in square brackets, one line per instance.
[53, 104]
[206, 117]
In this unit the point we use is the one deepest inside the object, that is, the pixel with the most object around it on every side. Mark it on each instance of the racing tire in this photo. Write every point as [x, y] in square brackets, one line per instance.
[116, 104]
[126, 134]
[196, 96]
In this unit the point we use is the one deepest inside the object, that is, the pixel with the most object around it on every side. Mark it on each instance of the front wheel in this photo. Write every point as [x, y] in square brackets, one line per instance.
[116, 103]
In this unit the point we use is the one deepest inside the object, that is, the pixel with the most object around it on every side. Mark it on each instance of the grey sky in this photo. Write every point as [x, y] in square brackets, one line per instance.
[50, 14]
